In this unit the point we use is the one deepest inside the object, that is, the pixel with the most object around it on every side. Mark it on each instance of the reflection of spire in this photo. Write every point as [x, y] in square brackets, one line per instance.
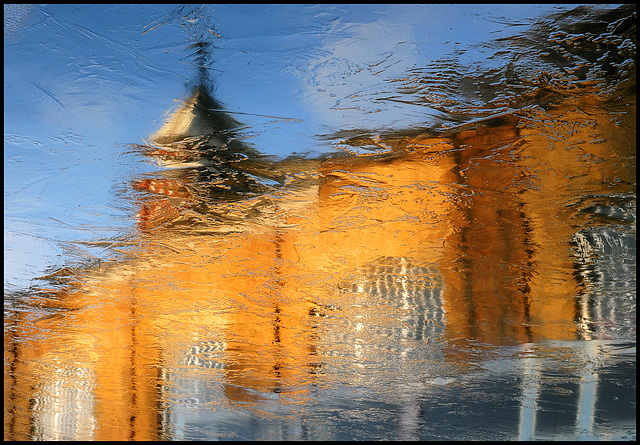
[210, 164]
[201, 114]
[201, 57]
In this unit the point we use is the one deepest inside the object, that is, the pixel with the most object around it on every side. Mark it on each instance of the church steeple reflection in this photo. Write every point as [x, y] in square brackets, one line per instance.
[201, 116]
[208, 160]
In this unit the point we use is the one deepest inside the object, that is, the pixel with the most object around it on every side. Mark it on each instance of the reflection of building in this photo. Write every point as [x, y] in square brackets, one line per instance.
[207, 160]
[583, 403]
[401, 254]
[200, 115]
[606, 267]
[394, 269]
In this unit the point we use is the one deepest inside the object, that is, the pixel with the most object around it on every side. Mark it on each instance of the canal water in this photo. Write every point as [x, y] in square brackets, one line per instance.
[329, 222]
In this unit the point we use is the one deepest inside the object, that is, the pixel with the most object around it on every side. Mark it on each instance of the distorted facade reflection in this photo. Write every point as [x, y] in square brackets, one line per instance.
[259, 280]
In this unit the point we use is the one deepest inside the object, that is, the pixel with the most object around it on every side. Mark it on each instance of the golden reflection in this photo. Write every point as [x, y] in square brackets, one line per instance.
[492, 207]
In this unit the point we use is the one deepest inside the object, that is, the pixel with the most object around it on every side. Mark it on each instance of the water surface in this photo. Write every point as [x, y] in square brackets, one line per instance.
[320, 222]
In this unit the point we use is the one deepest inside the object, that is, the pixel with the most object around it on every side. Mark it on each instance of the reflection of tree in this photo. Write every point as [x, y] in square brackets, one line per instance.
[587, 49]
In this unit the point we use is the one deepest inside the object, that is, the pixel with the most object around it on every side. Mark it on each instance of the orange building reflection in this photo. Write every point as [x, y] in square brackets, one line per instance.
[490, 205]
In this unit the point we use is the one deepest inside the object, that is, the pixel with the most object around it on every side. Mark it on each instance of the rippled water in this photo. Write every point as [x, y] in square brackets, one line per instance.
[320, 222]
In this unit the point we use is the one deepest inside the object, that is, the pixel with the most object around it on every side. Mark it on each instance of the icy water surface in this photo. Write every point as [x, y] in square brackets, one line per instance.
[320, 222]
